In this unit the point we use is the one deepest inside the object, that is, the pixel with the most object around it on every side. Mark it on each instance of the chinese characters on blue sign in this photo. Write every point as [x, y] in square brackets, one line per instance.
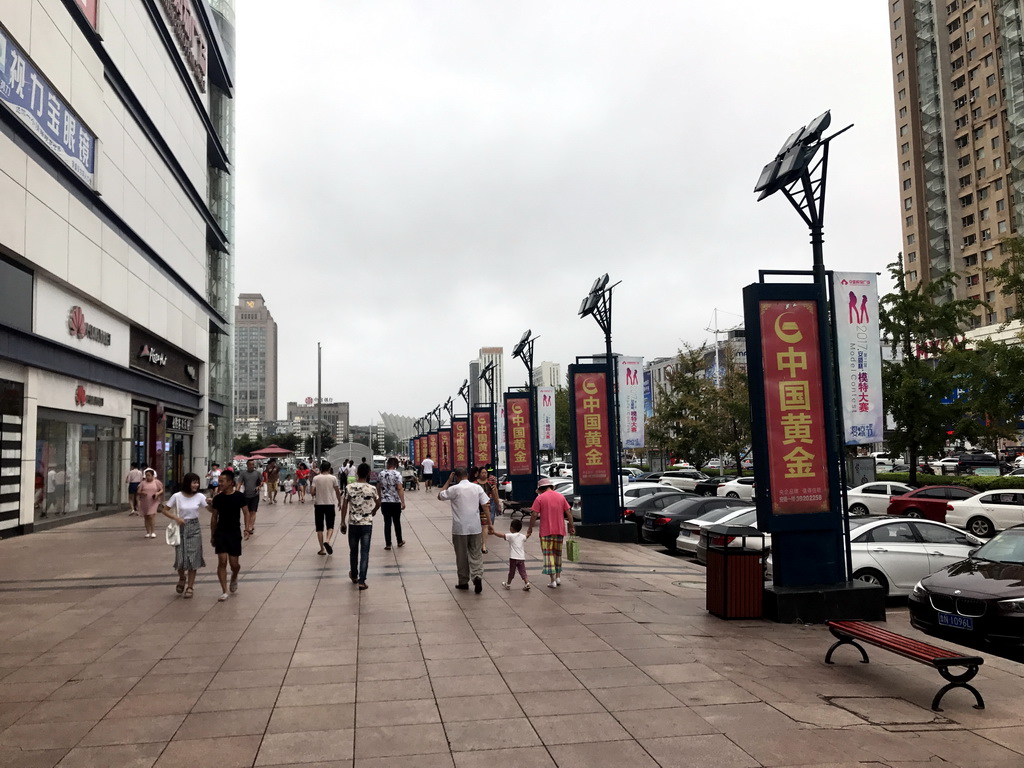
[34, 101]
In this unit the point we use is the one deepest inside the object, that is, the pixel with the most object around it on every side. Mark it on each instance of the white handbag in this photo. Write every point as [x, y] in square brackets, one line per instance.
[173, 534]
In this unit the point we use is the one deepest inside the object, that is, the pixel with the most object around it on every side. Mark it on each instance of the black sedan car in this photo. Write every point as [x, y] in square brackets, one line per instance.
[710, 486]
[978, 599]
[661, 526]
[636, 508]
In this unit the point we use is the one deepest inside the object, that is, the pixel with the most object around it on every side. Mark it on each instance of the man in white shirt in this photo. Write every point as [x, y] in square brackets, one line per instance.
[469, 506]
[428, 472]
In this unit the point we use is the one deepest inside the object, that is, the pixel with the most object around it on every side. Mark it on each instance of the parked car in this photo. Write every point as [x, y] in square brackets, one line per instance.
[629, 491]
[928, 502]
[749, 519]
[980, 598]
[740, 488]
[987, 512]
[651, 477]
[685, 479]
[662, 526]
[896, 553]
[873, 498]
[947, 462]
[710, 486]
[689, 531]
[637, 506]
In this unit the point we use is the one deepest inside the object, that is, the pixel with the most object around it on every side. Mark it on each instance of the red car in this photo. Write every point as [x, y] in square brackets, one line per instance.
[928, 502]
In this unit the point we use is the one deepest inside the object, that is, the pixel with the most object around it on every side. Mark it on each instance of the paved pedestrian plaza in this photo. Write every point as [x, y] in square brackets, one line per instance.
[102, 664]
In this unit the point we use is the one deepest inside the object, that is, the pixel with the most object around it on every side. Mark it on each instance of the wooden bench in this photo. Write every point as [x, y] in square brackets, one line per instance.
[849, 632]
[514, 508]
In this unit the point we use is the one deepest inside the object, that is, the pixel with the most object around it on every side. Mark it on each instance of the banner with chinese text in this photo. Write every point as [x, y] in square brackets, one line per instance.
[500, 425]
[794, 407]
[460, 443]
[432, 446]
[412, 450]
[546, 418]
[649, 394]
[444, 449]
[859, 359]
[519, 429]
[483, 434]
[593, 430]
[631, 402]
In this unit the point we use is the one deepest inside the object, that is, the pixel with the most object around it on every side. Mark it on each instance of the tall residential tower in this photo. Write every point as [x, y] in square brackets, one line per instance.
[255, 359]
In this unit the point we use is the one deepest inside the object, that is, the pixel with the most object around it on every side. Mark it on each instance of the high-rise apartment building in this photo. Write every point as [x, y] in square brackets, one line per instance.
[474, 383]
[255, 359]
[116, 231]
[488, 355]
[958, 79]
[334, 416]
[547, 374]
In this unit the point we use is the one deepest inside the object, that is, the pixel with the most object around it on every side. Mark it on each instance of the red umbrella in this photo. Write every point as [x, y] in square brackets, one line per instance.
[272, 450]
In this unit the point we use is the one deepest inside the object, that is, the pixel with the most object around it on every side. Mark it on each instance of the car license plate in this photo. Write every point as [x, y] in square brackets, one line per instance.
[684, 532]
[957, 622]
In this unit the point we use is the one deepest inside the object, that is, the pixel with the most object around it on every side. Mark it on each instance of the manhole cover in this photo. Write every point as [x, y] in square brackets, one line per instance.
[689, 584]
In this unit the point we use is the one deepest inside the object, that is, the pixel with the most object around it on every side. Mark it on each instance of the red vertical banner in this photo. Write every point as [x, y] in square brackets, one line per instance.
[444, 450]
[593, 430]
[519, 434]
[460, 443]
[89, 8]
[794, 407]
[420, 452]
[483, 437]
[432, 447]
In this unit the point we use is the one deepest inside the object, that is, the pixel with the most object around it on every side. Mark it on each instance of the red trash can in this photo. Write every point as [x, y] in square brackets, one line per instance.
[735, 575]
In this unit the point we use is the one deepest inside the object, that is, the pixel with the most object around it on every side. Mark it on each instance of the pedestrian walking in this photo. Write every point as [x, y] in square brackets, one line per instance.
[133, 479]
[226, 531]
[251, 481]
[350, 472]
[428, 472]
[213, 479]
[188, 554]
[288, 488]
[326, 500]
[483, 480]
[516, 553]
[150, 493]
[554, 513]
[360, 504]
[469, 510]
[302, 481]
[273, 478]
[392, 501]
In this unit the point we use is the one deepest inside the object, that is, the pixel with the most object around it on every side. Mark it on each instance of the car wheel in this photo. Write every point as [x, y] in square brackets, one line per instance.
[871, 576]
[913, 512]
[732, 495]
[858, 510]
[980, 527]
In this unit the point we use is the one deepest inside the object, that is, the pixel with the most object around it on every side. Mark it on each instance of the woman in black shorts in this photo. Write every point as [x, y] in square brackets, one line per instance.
[226, 530]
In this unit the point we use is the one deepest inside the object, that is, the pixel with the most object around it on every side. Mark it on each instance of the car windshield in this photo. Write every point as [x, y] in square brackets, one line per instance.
[715, 515]
[1006, 547]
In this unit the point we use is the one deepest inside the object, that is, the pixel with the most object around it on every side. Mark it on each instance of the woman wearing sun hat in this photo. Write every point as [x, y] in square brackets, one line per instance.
[554, 511]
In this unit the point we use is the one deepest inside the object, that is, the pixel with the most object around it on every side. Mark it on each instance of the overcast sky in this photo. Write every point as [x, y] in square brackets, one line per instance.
[416, 180]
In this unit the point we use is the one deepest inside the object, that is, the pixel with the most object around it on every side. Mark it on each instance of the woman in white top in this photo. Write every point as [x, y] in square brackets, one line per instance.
[188, 555]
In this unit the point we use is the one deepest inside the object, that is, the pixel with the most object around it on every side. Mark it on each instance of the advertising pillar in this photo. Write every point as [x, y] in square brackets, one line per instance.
[520, 436]
[444, 454]
[590, 413]
[483, 436]
[460, 442]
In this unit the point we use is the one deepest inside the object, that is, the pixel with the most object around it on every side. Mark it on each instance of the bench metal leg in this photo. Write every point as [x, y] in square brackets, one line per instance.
[846, 640]
[958, 681]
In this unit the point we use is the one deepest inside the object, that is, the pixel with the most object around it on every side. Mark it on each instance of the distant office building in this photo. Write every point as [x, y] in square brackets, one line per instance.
[334, 414]
[494, 355]
[474, 383]
[548, 374]
[255, 359]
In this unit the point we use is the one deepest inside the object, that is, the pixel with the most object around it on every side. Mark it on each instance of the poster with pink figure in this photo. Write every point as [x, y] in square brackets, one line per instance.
[860, 356]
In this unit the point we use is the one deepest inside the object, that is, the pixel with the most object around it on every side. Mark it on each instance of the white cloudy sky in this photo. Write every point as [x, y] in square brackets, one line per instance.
[419, 179]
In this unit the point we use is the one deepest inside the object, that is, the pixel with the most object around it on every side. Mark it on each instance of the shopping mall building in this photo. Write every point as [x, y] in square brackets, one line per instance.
[116, 217]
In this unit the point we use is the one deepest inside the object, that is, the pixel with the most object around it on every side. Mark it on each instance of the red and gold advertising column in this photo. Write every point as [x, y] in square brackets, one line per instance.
[444, 449]
[483, 436]
[519, 429]
[593, 436]
[460, 443]
[432, 446]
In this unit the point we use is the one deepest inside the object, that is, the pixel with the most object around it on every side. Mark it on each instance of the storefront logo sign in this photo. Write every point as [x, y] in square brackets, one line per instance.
[190, 371]
[186, 29]
[179, 424]
[150, 353]
[80, 329]
[82, 398]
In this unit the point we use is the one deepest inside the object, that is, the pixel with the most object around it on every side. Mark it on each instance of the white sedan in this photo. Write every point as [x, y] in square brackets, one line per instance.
[740, 488]
[896, 553]
[873, 498]
[987, 512]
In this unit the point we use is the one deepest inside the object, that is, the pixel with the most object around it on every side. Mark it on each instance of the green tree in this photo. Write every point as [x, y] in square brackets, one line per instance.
[922, 326]
[327, 442]
[1009, 275]
[244, 445]
[287, 440]
[563, 445]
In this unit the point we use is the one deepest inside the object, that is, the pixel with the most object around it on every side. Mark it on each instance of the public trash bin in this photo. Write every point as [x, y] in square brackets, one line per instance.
[735, 575]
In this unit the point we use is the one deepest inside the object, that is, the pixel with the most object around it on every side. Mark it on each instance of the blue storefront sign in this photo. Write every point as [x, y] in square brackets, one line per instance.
[648, 394]
[31, 98]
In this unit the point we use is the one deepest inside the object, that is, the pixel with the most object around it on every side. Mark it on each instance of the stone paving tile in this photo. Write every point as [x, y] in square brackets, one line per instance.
[312, 718]
[578, 728]
[394, 690]
[14, 757]
[611, 753]
[138, 730]
[236, 722]
[469, 685]
[305, 747]
[118, 756]
[386, 713]
[520, 757]
[469, 736]
[393, 741]
[714, 751]
[225, 752]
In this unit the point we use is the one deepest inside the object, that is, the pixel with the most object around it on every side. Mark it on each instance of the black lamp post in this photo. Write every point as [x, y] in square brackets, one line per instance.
[464, 393]
[598, 304]
[487, 377]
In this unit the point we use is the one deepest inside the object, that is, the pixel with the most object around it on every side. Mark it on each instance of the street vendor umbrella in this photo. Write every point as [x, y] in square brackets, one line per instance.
[272, 450]
[240, 457]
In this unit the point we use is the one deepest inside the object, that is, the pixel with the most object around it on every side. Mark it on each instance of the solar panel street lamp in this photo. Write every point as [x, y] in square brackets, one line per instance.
[464, 393]
[487, 377]
[523, 350]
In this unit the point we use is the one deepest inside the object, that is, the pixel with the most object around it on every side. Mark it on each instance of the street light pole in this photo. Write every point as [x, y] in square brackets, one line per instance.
[524, 351]
[487, 377]
[319, 403]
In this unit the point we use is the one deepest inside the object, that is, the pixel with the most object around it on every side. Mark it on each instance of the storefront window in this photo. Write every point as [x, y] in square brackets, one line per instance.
[78, 463]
